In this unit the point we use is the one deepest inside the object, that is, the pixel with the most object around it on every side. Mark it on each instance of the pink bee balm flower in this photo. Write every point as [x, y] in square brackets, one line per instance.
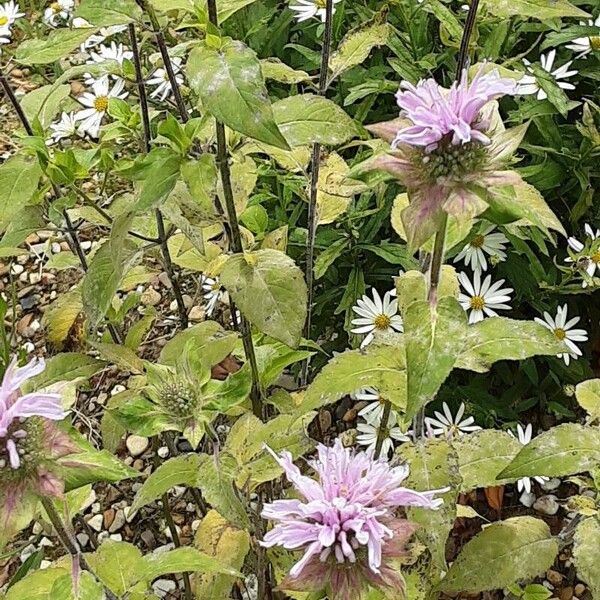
[15, 407]
[347, 524]
[455, 114]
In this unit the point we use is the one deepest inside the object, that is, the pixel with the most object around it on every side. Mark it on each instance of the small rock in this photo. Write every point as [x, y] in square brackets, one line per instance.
[163, 587]
[95, 508]
[551, 484]
[554, 577]
[103, 535]
[349, 415]
[163, 452]
[197, 313]
[109, 517]
[547, 505]
[150, 297]
[566, 593]
[117, 389]
[527, 499]
[148, 538]
[118, 522]
[55, 248]
[86, 245]
[187, 301]
[96, 522]
[45, 564]
[17, 269]
[138, 464]
[37, 528]
[116, 537]
[83, 539]
[196, 524]
[164, 279]
[27, 552]
[137, 445]
[173, 306]
[46, 542]
[579, 589]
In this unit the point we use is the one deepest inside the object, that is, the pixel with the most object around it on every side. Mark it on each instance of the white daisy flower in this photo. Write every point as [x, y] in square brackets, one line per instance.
[448, 426]
[100, 36]
[9, 13]
[97, 103]
[376, 315]
[307, 9]
[5, 35]
[369, 431]
[115, 51]
[160, 79]
[65, 127]
[528, 84]
[584, 45]
[589, 263]
[524, 436]
[483, 299]
[58, 11]
[213, 293]
[486, 242]
[374, 410]
[563, 330]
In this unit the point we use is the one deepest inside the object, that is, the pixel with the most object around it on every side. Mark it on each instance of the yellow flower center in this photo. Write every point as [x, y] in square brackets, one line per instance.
[56, 7]
[560, 333]
[101, 103]
[215, 286]
[3, 20]
[595, 42]
[477, 302]
[321, 3]
[382, 322]
[477, 241]
[596, 257]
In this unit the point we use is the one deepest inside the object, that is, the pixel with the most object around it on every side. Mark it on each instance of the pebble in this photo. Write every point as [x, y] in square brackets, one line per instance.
[27, 552]
[86, 245]
[554, 577]
[117, 389]
[566, 593]
[164, 279]
[95, 507]
[187, 301]
[163, 452]
[173, 306]
[551, 484]
[83, 539]
[150, 297]
[163, 587]
[45, 564]
[109, 517]
[103, 535]
[547, 505]
[137, 445]
[46, 542]
[37, 528]
[56, 248]
[118, 521]
[96, 522]
[117, 537]
[527, 499]
[579, 589]
[17, 269]
[197, 313]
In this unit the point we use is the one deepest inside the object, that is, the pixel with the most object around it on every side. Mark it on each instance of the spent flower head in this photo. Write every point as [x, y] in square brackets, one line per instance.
[345, 522]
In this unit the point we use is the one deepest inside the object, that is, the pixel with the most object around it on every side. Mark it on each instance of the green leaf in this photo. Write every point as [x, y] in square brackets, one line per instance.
[588, 396]
[86, 588]
[107, 268]
[207, 341]
[536, 591]
[118, 565]
[329, 255]
[499, 338]
[585, 554]
[357, 45]
[273, 68]
[44, 103]
[37, 585]
[27, 220]
[160, 182]
[231, 87]
[518, 548]
[67, 366]
[538, 9]
[122, 356]
[140, 415]
[226, 8]
[433, 466]
[482, 456]
[181, 560]
[555, 94]
[446, 18]
[229, 545]
[523, 202]
[104, 13]
[566, 449]
[382, 366]
[306, 118]
[434, 337]
[61, 315]
[272, 359]
[270, 291]
[94, 466]
[180, 470]
[55, 46]
[19, 179]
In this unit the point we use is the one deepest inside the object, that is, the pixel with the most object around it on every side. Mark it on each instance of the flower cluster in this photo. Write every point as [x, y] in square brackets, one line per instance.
[346, 523]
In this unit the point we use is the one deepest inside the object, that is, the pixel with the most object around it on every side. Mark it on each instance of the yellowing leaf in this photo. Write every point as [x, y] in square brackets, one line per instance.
[61, 315]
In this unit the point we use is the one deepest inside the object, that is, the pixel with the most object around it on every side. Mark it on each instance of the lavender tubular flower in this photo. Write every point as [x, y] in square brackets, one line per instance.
[347, 524]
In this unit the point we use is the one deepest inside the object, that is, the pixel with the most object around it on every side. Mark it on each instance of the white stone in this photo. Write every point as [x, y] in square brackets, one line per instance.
[163, 587]
[83, 539]
[95, 507]
[55, 248]
[118, 522]
[117, 389]
[46, 542]
[103, 535]
[37, 528]
[96, 522]
[116, 537]
[45, 564]
[551, 484]
[17, 269]
[527, 499]
[163, 452]
[547, 505]
[27, 552]
[137, 445]
[86, 245]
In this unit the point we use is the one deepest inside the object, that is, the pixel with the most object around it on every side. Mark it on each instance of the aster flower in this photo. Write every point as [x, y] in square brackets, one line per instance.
[369, 431]
[65, 127]
[58, 11]
[307, 9]
[5, 34]
[563, 330]
[373, 410]
[9, 13]
[584, 45]
[345, 522]
[160, 79]
[448, 148]
[451, 426]
[483, 299]
[100, 36]
[485, 242]
[376, 315]
[213, 293]
[528, 84]
[524, 437]
[116, 52]
[586, 255]
[97, 103]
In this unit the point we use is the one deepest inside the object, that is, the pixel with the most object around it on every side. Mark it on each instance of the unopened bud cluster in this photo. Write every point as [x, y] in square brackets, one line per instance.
[27, 435]
[179, 398]
[454, 162]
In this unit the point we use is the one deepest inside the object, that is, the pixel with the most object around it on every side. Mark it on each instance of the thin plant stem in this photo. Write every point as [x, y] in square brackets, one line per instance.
[68, 540]
[73, 237]
[162, 46]
[437, 257]
[382, 432]
[314, 181]
[163, 238]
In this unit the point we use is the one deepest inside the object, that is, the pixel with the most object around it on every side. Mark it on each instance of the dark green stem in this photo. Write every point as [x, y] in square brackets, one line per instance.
[383, 428]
